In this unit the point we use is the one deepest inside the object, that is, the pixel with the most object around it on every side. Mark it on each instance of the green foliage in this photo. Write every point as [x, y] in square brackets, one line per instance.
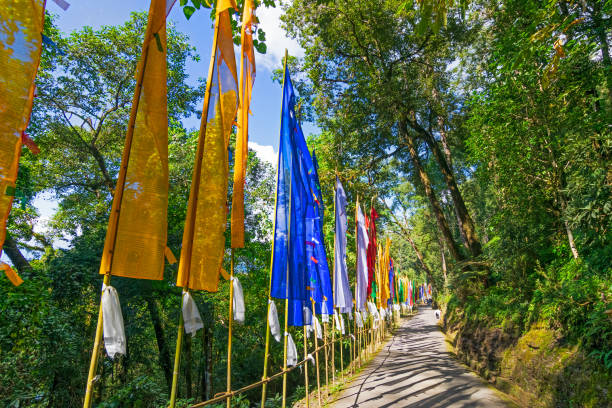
[489, 90]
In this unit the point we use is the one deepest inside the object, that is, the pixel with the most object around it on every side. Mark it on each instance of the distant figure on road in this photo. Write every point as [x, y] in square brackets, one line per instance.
[437, 312]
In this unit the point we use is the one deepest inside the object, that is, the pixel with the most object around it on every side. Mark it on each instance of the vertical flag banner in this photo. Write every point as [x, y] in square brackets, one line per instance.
[371, 249]
[342, 292]
[400, 291]
[391, 280]
[20, 47]
[385, 289]
[137, 232]
[361, 287]
[245, 87]
[294, 196]
[322, 293]
[203, 238]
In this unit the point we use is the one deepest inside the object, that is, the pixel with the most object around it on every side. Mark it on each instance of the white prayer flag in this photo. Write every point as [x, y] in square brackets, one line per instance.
[112, 322]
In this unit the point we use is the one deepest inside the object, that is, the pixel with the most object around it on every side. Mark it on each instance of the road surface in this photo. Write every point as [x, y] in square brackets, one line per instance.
[414, 369]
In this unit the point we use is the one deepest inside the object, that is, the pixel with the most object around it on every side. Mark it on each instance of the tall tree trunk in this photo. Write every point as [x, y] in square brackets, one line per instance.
[418, 253]
[602, 36]
[14, 253]
[449, 160]
[466, 224]
[164, 353]
[443, 260]
[433, 200]
[570, 238]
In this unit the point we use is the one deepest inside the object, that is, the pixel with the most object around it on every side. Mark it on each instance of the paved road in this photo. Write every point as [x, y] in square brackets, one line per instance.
[415, 370]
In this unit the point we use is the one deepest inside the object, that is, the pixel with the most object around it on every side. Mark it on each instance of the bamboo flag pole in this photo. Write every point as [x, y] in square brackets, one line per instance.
[355, 335]
[116, 208]
[341, 356]
[316, 342]
[326, 348]
[229, 330]
[306, 365]
[177, 353]
[191, 208]
[241, 94]
[267, 348]
[286, 333]
[351, 347]
[333, 342]
[285, 338]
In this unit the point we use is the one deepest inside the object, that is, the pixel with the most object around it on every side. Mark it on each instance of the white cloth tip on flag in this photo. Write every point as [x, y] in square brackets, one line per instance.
[358, 320]
[317, 327]
[325, 318]
[337, 320]
[238, 305]
[191, 315]
[307, 314]
[309, 329]
[112, 322]
[273, 321]
[292, 357]
[311, 358]
[62, 4]
[350, 315]
[342, 324]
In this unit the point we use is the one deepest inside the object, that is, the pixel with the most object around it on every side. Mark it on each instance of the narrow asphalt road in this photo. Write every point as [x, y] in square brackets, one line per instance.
[415, 370]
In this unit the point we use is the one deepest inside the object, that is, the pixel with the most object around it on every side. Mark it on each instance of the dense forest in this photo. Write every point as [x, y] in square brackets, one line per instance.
[479, 130]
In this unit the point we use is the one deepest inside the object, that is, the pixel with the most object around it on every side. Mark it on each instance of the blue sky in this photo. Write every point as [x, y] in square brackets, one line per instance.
[266, 100]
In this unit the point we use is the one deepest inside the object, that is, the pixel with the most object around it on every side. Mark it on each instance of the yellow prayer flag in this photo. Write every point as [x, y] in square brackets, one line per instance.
[11, 274]
[247, 78]
[20, 47]
[137, 232]
[203, 238]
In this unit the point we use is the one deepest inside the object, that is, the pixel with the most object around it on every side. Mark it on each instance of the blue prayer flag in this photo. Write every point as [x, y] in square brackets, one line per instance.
[295, 200]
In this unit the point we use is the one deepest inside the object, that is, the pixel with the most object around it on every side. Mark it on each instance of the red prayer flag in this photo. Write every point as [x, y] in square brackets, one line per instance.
[371, 221]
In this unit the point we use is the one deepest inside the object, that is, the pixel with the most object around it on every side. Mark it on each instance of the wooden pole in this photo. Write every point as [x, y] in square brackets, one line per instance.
[355, 336]
[326, 348]
[306, 366]
[267, 348]
[116, 207]
[177, 354]
[93, 365]
[191, 208]
[316, 342]
[341, 347]
[333, 342]
[229, 333]
[285, 335]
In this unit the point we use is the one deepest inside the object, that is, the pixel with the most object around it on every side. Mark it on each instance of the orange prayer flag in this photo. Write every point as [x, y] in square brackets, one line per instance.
[137, 232]
[247, 78]
[203, 238]
[20, 47]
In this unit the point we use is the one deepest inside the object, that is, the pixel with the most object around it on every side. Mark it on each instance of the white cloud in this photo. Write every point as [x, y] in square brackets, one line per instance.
[276, 39]
[264, 152]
